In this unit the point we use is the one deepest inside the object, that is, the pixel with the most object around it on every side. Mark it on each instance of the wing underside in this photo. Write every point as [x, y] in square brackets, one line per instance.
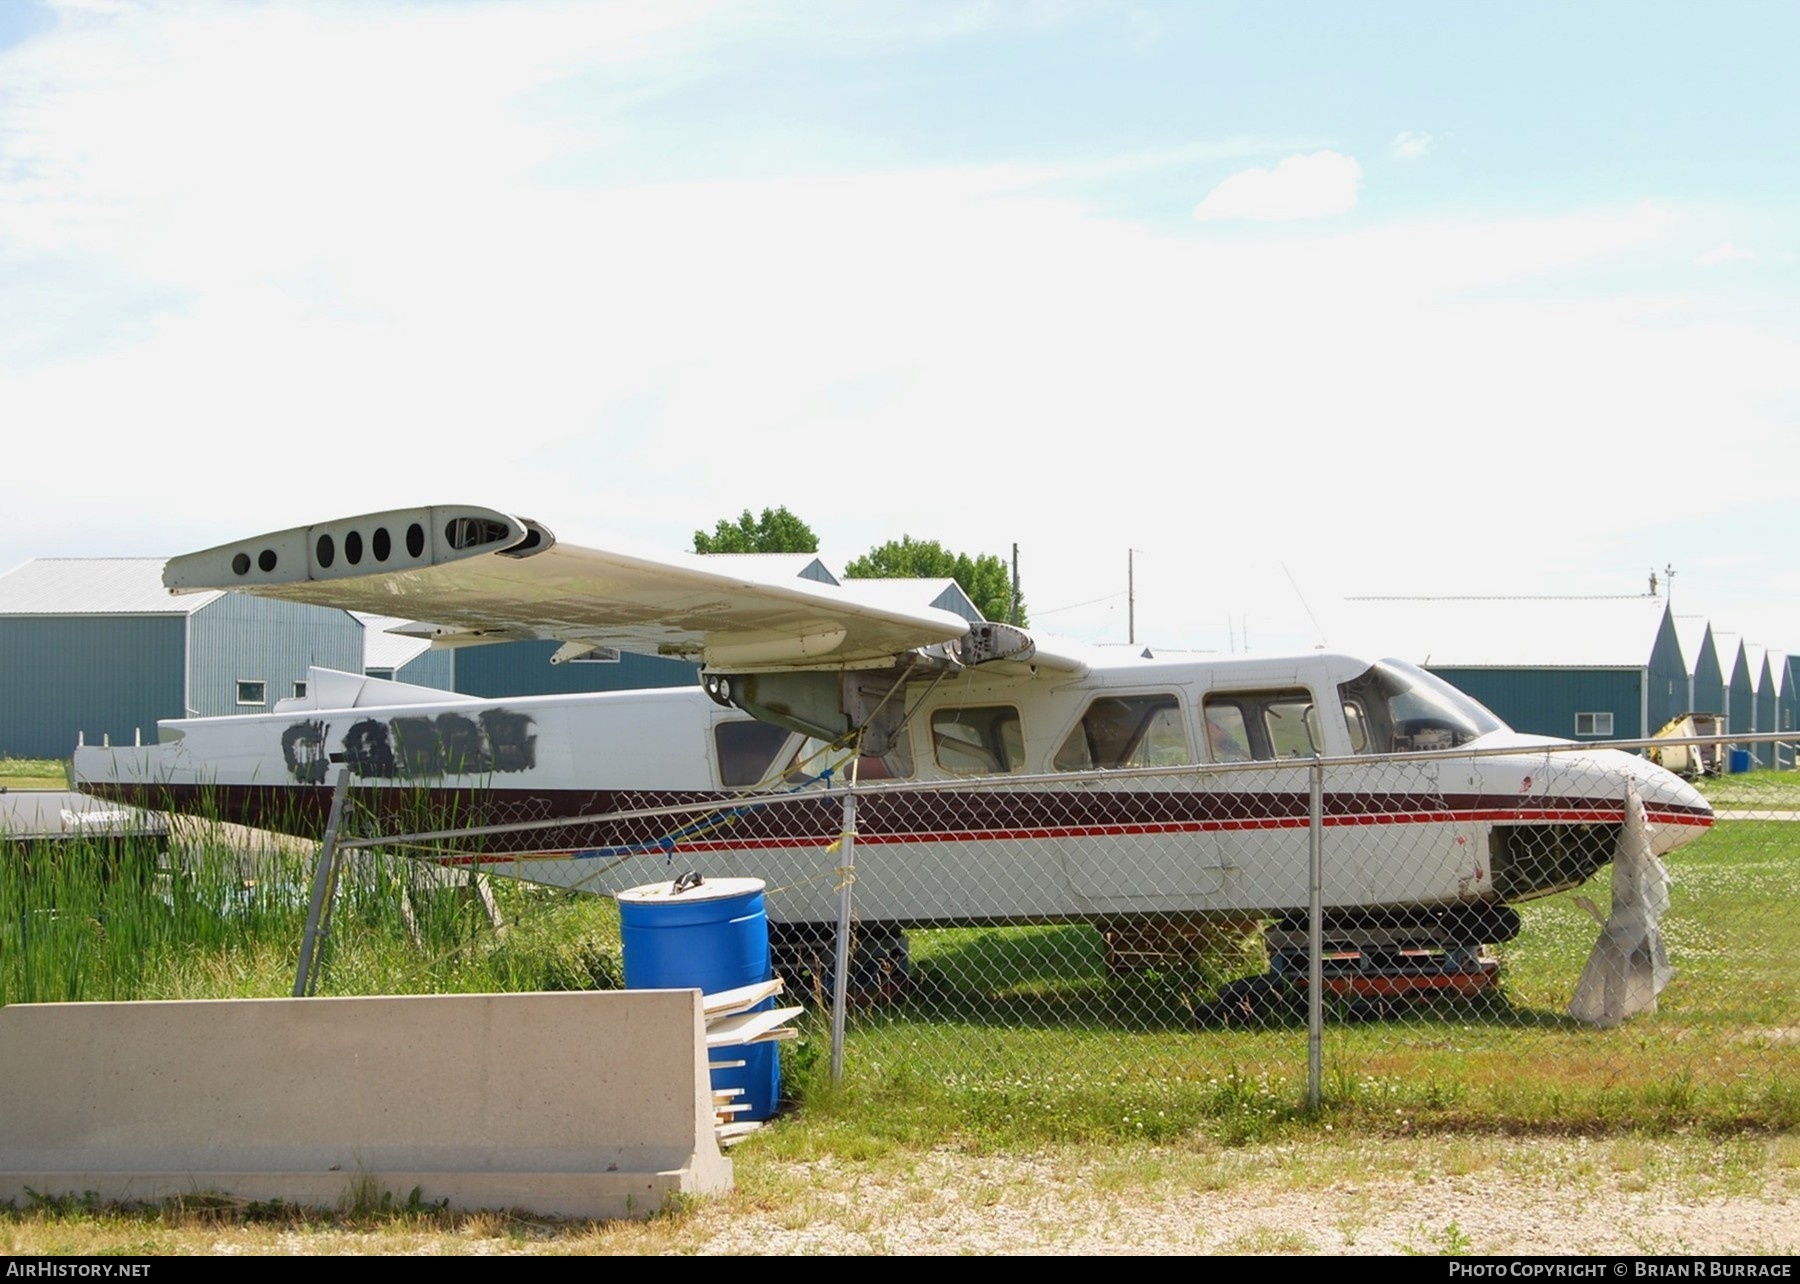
[481, 575]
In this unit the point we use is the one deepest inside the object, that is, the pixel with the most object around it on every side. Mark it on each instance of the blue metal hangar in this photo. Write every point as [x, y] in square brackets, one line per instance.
[1578, 668]
[96, 647]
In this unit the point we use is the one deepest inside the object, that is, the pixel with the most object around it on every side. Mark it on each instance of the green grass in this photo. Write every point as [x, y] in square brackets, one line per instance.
[1011, 1041]
[33, 773]
[1018, 1035]
[1007, 1036]
[86, 921]
[1759, 788]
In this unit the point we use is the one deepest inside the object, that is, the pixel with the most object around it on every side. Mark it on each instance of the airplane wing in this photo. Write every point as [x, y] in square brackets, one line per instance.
[481, 575]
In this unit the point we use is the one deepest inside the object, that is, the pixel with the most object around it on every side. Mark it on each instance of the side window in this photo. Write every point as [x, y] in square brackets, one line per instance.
[1293, 726]
[1262, 725]
[747, 751]
[1127, 731]
[1359, 727]
[811, 758]
[1226, 732]
[983, 740]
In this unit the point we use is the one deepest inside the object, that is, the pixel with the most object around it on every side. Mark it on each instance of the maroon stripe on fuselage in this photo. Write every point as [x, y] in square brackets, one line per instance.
[778, 821]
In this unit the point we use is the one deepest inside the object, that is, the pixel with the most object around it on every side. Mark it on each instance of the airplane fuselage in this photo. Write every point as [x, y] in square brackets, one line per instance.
[997, 801]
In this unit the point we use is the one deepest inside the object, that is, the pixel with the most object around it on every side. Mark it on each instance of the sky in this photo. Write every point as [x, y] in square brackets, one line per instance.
[1218, 313]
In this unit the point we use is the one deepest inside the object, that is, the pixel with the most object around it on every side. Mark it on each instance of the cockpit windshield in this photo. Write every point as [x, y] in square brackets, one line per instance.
[1396, 707]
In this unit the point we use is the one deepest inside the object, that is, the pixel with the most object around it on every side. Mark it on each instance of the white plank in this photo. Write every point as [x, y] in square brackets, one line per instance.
[742, 999]
[746, 1027]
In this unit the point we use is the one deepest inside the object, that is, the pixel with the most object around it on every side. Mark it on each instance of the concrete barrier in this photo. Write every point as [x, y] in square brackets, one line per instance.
[593, 1105]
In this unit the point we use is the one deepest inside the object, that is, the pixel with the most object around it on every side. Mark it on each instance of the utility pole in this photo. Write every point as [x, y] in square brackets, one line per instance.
[1012, 613]
[1131, 596]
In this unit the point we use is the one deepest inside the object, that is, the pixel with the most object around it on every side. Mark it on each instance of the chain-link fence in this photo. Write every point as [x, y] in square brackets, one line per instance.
[1356, 922]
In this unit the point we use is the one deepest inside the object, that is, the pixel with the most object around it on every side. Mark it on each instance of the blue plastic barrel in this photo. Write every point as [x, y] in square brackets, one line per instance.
[1740, 760]
[712, 936]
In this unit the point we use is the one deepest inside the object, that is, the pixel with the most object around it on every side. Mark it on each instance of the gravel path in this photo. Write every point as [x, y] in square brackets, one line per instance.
[1420, 1196]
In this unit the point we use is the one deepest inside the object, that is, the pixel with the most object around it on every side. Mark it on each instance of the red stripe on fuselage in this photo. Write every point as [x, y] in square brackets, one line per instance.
[789, 842]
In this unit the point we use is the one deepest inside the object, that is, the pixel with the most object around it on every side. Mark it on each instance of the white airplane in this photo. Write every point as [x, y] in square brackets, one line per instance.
[914, 698]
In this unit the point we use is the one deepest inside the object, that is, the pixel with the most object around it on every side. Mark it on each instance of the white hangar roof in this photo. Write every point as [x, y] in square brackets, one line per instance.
[95, 586]
[1509, 632]
[910, 593]
[384, 650]
[771, 566]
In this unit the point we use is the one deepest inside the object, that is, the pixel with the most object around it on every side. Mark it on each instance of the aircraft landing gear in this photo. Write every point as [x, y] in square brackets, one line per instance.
[804, 955]
[1373, 964]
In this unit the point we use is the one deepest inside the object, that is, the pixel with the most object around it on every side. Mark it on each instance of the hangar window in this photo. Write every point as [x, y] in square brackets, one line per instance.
[299, 690]
[1593, 724]
[252, 691]
[387, 675]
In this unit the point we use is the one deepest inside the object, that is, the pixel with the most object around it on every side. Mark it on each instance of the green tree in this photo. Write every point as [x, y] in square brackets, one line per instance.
[778, 531]
[986, 579]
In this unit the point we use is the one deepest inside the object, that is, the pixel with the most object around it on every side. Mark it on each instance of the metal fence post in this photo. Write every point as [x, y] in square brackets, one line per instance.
[1315, 937]
[840, 972]
[318, 913]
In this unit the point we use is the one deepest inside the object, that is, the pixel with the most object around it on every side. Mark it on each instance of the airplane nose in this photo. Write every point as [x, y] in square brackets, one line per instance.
[1678, 813]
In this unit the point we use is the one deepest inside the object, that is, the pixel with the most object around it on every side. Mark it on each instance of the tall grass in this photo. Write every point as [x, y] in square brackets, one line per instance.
[1007, 1035]
[222, 912]
[33, 773]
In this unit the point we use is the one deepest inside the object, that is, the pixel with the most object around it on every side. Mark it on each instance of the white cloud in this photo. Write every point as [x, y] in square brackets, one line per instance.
[1726, 252]
[1299, 187]
[338, 297]
[1410, 144]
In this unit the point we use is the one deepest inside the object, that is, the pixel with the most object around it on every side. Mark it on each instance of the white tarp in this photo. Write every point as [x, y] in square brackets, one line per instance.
[1629, 966]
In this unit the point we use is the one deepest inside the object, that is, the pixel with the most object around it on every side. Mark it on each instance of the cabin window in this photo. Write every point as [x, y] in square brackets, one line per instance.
[1127, 731]
[1252, 726]
[813, 757]
[252, 691]
[1593, 724]
[1394, 707]
[1226, 732]
[748, 751]
[983, 740]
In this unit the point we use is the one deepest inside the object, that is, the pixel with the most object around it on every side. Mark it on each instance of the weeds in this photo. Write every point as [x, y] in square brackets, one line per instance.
[1009, 1037]
[1451, 1241]
[33, 773]
[212, 918]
